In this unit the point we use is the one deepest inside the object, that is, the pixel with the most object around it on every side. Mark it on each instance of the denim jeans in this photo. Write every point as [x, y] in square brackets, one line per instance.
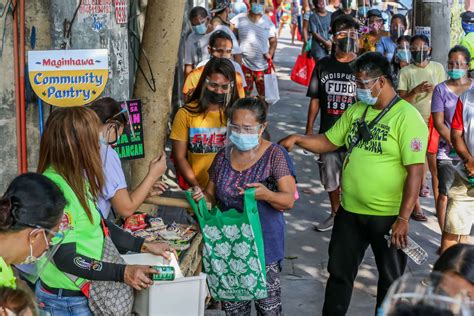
[58, 305]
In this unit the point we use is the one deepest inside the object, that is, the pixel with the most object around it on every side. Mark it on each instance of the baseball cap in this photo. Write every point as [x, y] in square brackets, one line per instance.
[374, 12]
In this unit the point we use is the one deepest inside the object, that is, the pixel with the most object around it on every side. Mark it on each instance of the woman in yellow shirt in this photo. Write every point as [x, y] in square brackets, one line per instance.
[30, 213]
[199, 128]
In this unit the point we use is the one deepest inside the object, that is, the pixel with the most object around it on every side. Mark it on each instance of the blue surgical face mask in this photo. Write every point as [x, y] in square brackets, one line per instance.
[365, 95]
[467, 27]
[257, 8]
[404, 55]
[456, 73]
[200, 29]
[244, 142]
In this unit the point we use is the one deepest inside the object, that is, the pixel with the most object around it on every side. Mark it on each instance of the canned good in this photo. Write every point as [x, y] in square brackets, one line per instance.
[166, 273]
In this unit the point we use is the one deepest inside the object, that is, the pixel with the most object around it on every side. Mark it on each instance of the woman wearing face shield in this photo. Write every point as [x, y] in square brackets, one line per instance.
[388, 44]
[250, 161]
[416, 84]
[369, 41]
[199, 128]
[115, 194]
[70, 157]
[402, 56]
[30, 213]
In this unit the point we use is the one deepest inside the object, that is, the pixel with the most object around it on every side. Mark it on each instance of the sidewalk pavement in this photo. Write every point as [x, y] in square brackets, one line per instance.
[305, 273]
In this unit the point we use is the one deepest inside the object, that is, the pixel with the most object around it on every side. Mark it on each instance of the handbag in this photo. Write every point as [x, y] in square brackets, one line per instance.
[233, 252]
[303, 69]
[272, 93]
[107, 297]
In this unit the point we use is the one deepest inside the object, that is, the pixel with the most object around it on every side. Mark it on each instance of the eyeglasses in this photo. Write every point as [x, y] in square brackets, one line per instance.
[126, 119]
[365, 83]
[223, 87]
[244, 129]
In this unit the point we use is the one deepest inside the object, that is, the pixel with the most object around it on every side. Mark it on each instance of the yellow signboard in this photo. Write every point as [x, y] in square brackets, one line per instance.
[68, 77]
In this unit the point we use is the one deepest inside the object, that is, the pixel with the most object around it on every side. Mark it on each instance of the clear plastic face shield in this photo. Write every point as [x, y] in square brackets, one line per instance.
[427, 293]
[243, 138]
[33, 266]
[403, 53]
[347, 41]
[420, 52]
[217, 93]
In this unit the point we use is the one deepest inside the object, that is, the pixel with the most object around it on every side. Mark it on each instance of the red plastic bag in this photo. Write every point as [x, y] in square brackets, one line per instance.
[303, 69]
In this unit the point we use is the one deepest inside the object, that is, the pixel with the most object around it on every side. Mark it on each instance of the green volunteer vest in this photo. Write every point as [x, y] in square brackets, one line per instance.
[7, 278]
[88, 236]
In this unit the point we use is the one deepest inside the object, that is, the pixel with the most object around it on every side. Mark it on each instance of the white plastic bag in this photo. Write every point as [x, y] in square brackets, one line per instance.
[272, 93]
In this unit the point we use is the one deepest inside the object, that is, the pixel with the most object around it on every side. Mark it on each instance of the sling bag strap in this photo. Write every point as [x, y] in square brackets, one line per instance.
[371, 125]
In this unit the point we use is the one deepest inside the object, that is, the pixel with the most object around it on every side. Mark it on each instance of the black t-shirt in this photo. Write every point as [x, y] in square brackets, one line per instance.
[333, 83]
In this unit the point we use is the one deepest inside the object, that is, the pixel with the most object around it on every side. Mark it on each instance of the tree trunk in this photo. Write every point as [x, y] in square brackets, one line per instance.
[161, 36]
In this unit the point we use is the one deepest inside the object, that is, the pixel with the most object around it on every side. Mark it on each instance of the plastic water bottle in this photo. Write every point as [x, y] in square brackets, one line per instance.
[412, 250]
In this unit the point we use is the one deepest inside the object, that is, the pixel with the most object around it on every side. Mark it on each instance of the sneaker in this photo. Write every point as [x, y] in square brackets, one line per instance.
[326, 225]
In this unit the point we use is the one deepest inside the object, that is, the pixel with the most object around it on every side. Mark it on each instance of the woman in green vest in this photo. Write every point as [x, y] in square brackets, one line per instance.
[30, 213]
[70, 157]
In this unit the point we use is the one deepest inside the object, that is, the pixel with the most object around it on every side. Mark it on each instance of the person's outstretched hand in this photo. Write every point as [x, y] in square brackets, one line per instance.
[138, 276]
[288, 142]
[157, 166]
[162, 249]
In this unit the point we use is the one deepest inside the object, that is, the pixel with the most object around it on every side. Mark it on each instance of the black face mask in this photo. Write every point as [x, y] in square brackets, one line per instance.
[420, 56]
[347, 45]
[214, 97]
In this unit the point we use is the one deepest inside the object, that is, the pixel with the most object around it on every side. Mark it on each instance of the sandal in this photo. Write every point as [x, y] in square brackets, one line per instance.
[419, 216]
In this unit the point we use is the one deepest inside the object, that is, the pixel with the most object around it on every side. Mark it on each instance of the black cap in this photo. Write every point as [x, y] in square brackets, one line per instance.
[374, 12]
[467, 17]
[220, 5]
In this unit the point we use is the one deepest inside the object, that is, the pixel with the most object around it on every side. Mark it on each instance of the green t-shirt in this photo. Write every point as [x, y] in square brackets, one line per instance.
[411, 76]
[89, 237]
[373, 175]
[7, 278]
[468, 42]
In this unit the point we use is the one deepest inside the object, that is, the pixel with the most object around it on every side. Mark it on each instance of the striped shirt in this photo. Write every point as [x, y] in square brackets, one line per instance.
[254, 40]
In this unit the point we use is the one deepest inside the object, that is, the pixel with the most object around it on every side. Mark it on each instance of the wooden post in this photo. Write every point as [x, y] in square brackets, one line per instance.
[161, 36]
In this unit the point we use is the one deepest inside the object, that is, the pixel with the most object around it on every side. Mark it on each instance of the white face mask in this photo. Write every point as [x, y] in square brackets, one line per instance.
[31, 258]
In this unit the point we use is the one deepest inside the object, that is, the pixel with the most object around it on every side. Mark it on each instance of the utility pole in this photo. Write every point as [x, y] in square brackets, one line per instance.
[434, 16]
[160, 43]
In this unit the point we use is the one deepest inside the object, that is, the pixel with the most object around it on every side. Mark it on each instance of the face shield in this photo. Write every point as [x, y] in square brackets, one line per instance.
[426, 293]
[347, 41]
[243, 138]
[33, 267]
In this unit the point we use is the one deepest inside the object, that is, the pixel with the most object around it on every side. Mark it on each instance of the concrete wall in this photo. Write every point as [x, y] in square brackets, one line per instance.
[37, 18]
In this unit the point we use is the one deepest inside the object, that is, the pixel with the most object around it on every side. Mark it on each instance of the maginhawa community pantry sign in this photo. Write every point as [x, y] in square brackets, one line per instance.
[68, 77]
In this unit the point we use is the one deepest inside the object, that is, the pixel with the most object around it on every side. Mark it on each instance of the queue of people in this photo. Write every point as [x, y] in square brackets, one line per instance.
[387, 111]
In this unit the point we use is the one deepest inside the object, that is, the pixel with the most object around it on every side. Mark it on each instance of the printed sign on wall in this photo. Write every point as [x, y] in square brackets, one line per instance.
[130, 145]
[68, 77]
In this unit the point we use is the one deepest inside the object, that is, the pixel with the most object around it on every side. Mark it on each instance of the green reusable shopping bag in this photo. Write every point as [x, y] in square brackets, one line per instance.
[233, 253]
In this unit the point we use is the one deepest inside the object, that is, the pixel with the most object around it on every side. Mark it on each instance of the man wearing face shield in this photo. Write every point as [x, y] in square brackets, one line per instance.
[388, 44]
[30, 214]
[220, 46]
[332, 91]
[467, 22]
[382, 172]
[195, 47]
[368, 41]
